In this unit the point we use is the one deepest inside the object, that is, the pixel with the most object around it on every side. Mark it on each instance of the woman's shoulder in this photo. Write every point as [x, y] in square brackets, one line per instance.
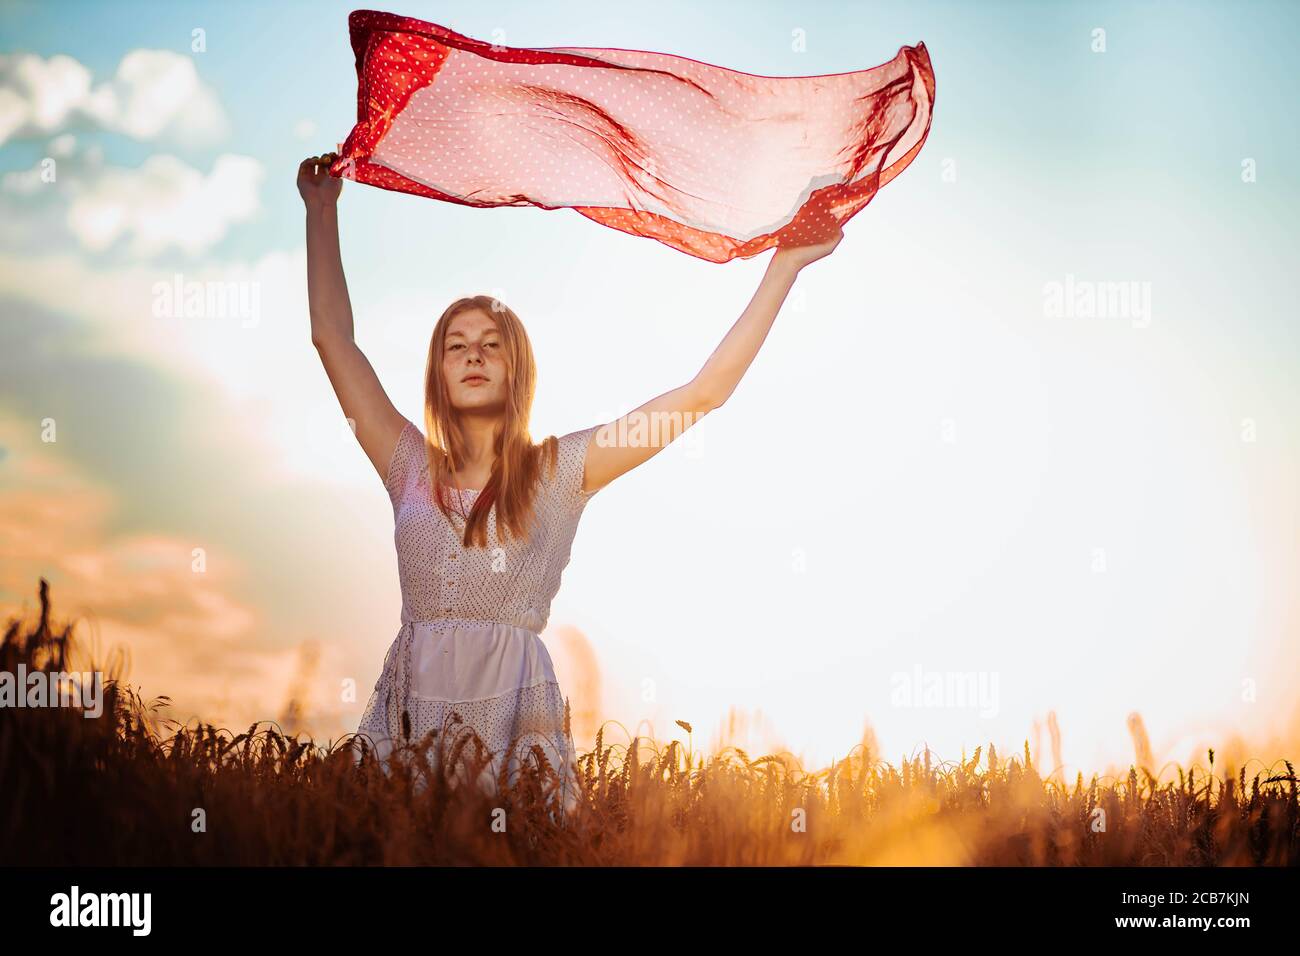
[408, 457]
[564, 465]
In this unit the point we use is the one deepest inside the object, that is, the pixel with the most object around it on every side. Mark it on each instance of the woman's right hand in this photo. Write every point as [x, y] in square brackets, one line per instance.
[315, 184]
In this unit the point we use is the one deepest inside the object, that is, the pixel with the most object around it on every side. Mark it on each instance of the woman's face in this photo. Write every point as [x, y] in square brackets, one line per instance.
[473, 363]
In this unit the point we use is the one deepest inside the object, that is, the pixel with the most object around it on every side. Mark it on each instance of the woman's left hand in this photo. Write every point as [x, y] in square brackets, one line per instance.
[800, 256]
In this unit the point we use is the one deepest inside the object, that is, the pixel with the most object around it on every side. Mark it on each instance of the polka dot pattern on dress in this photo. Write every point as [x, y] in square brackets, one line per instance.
[710, 161]
[512, 582]
[469, 656]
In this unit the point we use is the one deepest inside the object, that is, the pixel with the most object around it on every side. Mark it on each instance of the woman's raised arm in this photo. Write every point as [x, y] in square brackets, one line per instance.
[376, 422]
[661, 420]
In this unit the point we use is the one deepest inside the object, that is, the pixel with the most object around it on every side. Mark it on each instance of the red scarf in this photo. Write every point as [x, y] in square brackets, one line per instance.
[716, 163]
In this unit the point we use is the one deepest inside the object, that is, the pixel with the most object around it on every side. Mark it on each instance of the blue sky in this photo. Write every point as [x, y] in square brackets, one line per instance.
[943, 459]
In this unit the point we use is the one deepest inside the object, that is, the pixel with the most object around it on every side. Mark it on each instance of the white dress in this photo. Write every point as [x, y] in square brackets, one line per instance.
[468, 655]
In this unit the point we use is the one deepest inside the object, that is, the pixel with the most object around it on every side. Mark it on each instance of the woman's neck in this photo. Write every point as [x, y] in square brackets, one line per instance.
[476, 468]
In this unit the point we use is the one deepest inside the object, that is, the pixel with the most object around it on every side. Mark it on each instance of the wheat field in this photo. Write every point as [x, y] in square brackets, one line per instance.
[131, 788]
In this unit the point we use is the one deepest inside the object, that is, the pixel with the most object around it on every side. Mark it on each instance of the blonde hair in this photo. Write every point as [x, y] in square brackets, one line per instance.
[518, 461]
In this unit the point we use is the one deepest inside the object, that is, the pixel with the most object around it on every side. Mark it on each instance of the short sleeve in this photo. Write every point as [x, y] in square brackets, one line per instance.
[570, 466]
[408, 456]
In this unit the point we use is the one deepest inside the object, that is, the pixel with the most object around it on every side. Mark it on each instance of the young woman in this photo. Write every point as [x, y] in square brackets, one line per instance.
[484, 519]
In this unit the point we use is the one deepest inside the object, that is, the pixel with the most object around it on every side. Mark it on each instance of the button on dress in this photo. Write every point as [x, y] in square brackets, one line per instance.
[469, 655]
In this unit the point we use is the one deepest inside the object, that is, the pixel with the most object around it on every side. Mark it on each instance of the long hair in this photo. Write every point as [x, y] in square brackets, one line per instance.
[518, 461]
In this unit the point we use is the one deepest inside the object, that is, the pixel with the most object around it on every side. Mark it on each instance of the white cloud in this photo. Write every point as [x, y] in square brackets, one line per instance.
[163, 203]
[155, 94]
[262, 362]
[37, 96]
